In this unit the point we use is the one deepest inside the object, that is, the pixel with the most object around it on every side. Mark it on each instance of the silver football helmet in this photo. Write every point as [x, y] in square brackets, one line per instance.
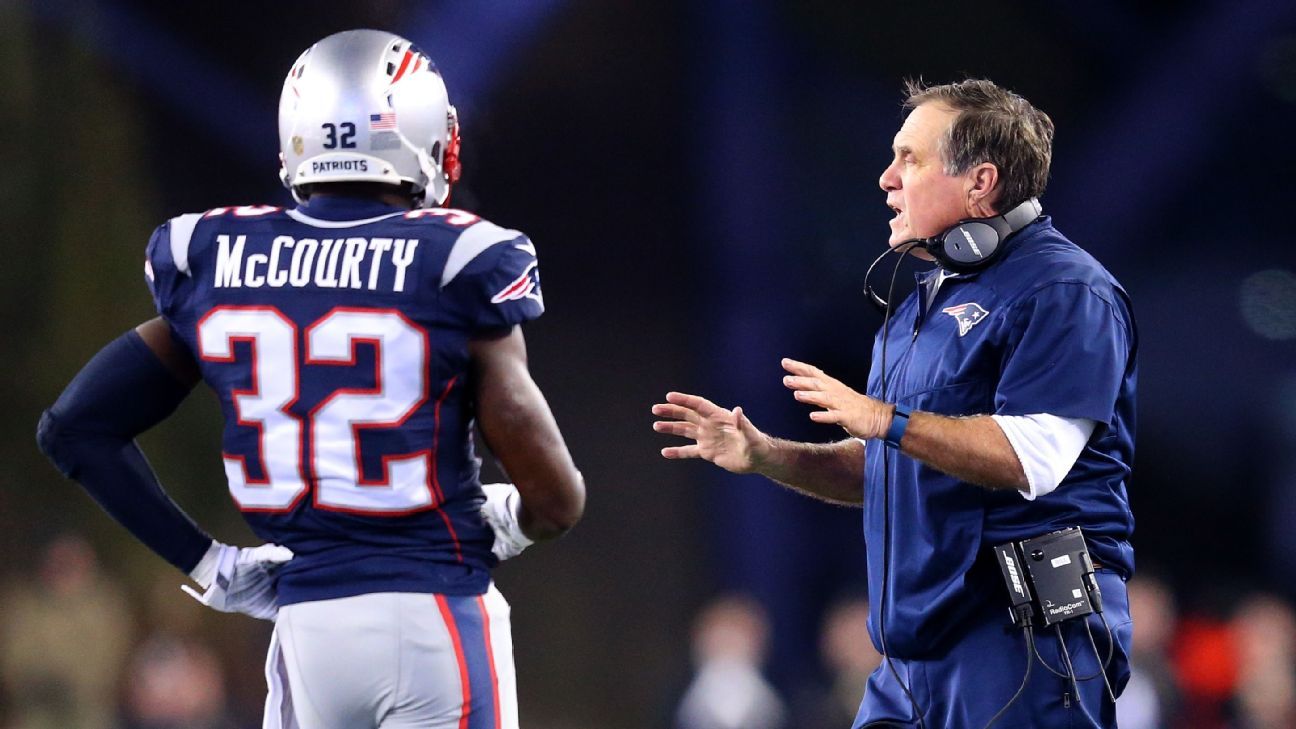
[366, 105]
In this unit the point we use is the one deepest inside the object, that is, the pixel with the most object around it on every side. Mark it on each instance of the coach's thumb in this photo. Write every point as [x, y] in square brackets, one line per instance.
[745, 425]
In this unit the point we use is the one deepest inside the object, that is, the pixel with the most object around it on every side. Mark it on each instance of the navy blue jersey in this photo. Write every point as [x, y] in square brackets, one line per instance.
[1046, 329]
[336, 337]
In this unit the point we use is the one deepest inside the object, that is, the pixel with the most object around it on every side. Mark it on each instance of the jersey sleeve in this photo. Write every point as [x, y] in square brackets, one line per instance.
[1068, 354]
[159, 269]
[166, 261]
[499, 287]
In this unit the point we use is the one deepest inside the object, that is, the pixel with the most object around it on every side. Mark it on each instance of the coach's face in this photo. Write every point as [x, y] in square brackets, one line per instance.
[925, 199]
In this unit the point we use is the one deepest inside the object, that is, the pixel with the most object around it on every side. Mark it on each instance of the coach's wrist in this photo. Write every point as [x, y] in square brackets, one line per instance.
[762, 453]
[899, 422]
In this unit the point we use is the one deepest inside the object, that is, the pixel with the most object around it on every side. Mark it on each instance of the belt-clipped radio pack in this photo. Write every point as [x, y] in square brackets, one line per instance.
[1050, 578]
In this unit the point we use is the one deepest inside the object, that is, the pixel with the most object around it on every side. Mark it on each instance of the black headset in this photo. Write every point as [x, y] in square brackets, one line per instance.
[968, 245]
[975, 243]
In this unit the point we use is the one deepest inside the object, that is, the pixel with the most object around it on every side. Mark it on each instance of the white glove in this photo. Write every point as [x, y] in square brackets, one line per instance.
[501, 512]
[239, 580]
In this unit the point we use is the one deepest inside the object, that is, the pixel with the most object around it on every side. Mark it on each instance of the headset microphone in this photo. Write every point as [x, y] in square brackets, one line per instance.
[882, 304]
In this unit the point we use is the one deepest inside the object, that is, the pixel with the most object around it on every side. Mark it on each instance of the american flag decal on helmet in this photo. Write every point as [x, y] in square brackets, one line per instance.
[525, 286]
[967, 315]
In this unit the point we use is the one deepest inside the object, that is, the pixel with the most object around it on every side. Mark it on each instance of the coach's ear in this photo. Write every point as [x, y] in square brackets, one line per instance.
[982, 188]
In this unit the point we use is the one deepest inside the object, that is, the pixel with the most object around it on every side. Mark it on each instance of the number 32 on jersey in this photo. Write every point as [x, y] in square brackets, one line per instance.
[333, 447]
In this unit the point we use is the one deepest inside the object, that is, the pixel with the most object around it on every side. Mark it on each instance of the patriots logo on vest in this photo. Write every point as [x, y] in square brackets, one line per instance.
[967, 315]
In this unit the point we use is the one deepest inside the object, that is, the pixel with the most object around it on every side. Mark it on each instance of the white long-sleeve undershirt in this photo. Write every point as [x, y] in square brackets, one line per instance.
[1047, 447]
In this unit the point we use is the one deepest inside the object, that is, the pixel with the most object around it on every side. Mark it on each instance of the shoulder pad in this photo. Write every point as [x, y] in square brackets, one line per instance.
[475, 239]
[182, 228]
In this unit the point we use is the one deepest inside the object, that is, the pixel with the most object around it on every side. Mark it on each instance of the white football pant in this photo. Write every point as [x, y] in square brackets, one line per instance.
[393, 660]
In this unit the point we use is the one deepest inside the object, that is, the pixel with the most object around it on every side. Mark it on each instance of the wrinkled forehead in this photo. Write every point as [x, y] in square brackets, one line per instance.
[924, 128]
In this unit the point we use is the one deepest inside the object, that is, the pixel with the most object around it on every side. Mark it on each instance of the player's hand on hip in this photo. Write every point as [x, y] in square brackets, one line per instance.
[857, 414]
[500, 511]
[724, 437]
[240, 580]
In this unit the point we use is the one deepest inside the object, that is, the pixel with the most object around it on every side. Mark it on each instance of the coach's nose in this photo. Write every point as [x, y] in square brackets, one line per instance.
[890, 178]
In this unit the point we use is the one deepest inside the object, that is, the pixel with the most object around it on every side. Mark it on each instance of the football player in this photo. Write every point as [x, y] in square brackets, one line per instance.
[353, 341]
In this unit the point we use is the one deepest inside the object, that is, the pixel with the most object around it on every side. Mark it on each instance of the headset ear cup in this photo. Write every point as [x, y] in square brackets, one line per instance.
[967, 246]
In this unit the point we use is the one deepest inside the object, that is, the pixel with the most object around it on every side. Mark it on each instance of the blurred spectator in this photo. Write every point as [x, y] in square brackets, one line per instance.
[175, 684]
[1152, 697]
[1264, 629]
[728, 691]
[1205, 660]
[849, 655]
[63, 642]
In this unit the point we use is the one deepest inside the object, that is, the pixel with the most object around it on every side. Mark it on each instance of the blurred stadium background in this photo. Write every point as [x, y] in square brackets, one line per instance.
[700, 179]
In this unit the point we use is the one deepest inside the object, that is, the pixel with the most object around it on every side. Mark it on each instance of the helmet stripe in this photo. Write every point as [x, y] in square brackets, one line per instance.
[404, 65]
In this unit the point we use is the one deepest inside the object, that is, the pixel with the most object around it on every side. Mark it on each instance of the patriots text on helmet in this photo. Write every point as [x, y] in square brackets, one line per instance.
[323, 167]
[334, 263]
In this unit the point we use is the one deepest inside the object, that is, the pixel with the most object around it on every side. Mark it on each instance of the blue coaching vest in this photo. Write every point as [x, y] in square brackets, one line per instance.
[1046, 329]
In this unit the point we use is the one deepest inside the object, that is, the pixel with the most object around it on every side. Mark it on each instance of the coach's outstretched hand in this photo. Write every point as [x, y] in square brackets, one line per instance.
[240, 580]
[857, 414]
[726, 438]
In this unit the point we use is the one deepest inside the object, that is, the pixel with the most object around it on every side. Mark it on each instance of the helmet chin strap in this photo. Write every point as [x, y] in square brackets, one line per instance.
[432, 196]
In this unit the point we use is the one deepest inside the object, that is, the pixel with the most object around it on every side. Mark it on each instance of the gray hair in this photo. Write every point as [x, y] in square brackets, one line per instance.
[993, 125]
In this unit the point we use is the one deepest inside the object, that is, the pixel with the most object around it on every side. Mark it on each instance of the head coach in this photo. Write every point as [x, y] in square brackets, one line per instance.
[999, 408]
